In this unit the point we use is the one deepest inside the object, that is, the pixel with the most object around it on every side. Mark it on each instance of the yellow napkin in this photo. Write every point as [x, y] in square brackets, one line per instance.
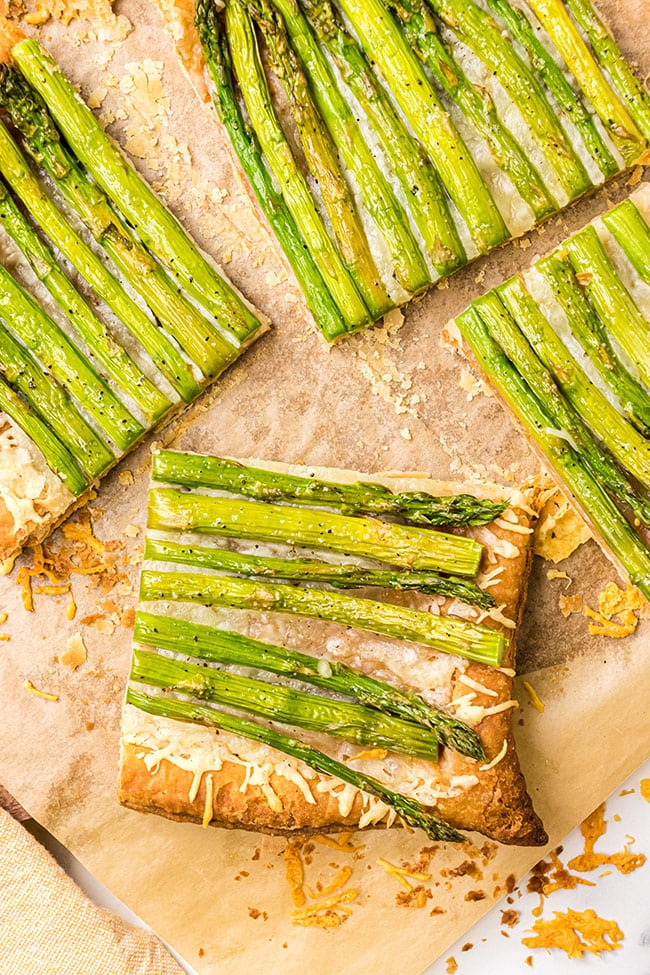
[48, 926]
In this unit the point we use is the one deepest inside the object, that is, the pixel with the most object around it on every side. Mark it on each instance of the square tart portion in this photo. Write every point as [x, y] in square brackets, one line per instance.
[196, 773]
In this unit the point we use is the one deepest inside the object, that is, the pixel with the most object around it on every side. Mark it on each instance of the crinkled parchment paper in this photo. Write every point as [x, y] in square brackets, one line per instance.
[387, 399]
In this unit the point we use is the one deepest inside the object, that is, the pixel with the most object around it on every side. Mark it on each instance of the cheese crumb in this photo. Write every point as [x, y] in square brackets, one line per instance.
[559, 530]
[576, 932]
[556, 574]
[75, 653]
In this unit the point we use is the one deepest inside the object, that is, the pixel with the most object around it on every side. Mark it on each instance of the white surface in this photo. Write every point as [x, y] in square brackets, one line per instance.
[623, 898]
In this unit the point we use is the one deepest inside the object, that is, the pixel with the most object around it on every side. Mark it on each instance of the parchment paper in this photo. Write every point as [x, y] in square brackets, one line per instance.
[387, 399]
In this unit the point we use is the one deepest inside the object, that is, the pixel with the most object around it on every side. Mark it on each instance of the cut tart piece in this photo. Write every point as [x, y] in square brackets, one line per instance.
[387, 144]
[274, 665]
[566, 345]
[111, 318]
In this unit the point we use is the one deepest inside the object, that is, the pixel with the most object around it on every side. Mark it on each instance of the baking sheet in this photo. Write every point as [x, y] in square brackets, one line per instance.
[387, 399]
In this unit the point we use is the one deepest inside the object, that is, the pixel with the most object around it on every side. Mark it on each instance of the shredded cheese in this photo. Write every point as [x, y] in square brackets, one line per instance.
[340, 880]
[496, 759]
[533, 697]
[208, 809]
[294, 873]
[498, 708]
[27, 684]
[368, 754]
[475, 685]
[402, 874]
[327, 913]
[592, 829]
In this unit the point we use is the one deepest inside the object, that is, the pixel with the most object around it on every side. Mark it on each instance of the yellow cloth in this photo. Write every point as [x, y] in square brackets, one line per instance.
[49, 927]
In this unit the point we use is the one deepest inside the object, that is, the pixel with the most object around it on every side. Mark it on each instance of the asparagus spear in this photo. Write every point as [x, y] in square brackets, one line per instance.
[51, 402]
[220, 473]
[552, 75]
[322, 160]
[59, 357]
[628, 549]
[416, 175]
[484, 37]
[386, 47]
[613, 62]
[221, 646]
[590, 332]
[625, 135]
[116, 363]
[16, 171]
[614, 305]
[274, 702]
[56, 455]
[632, 235]
[420, 28]
[217, 58]
[335, 574]
[159, 231]
[505, 331]
[376, 191]
[409, 548]
[617, 434]
[248, 69]
[202, 342]
[409, 810]
[443, 633]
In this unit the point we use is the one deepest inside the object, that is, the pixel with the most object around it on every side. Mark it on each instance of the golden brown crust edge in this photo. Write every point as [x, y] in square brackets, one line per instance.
[498, 806]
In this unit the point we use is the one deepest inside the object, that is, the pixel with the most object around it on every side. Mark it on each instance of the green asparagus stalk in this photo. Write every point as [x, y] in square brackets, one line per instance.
[51, 402]
[386, 47]
[16, 171]
[322, 160]
[222, 646]
[590, 332]
[505, 331]
[285, 705]
[599, 509]
[335, 574]
[555, 18]
[612, 61]
[632, 234]
[158, 230]
[409, 810]
[57, 457]
[443, 633]
[257, 98]
[126, 375]
[375, 190]
[202, 342]
[614, 305]
[244, 141]
[570, 103]
[59, 357]
[484, 37]
[417, 177]
[477, 106]
[619, 436]
[409, 548]
[222, 474]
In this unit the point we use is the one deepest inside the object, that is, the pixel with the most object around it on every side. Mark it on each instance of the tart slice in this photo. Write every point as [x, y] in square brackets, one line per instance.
[320, 649]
